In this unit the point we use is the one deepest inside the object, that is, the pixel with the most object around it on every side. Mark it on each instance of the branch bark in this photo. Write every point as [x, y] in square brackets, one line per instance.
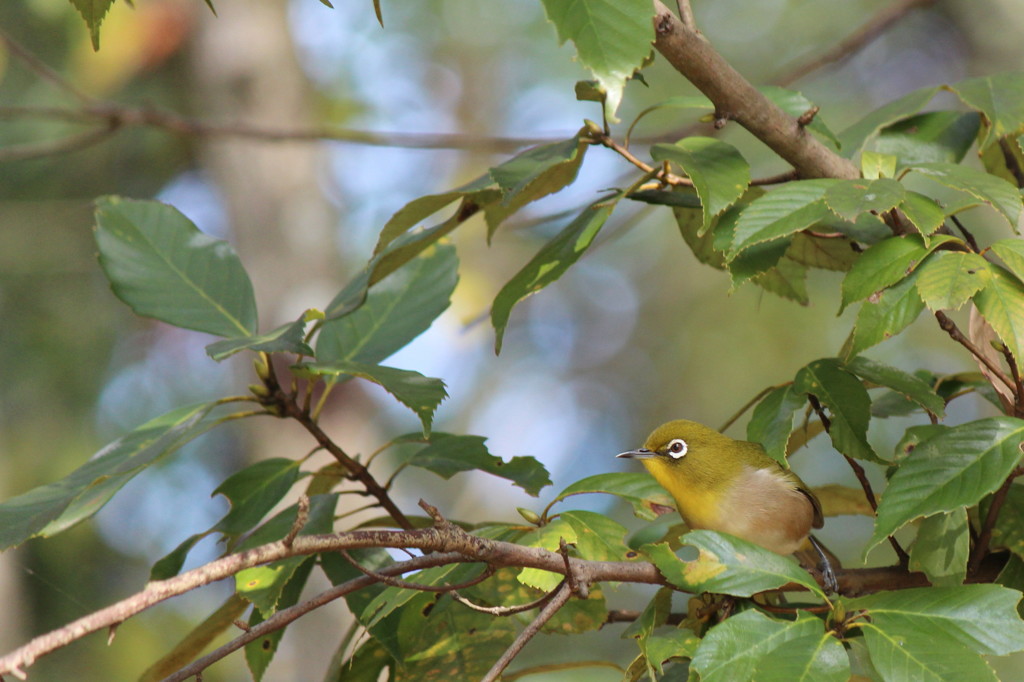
[453, 542]
[736, 99]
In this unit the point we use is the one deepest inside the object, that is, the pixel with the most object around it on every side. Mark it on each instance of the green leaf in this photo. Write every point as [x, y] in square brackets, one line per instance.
[598, 538]
[1001, 303]
[788, 209]
[847, 401]
[821, 252]
[772, 421]
[951, 470]
[254, 491]
[813, 657]
[926, 215]
[447, 455]
[849, 198]
[423, 207]
[882, 318]
[648, 499]
[260, 652]
[395, 311]
[909, 386]
[1000, 98]
[735, 649]
[534, 174]
[915, 656]
[550, 263]
[547, 537]
[161, 265]
[787, 279]
[881, 266]
[677, 643]
[727, 565]
[1012, 253]
[719, 172]
[853, 138]
[874, 165]
[981, 618]
[699, 102]
[942, 548]
[943, 136]
[288, 338]
[420, 394]
[994, 191]
[1009, 529]
[757, 260]
[949, 279]
[612, 38]
[93, 12]
[264, 585]
[54, 507]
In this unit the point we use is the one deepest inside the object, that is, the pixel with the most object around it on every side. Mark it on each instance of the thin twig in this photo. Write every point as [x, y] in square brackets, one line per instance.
[62, 145]
[1012, 163]
[41, 69]
[285, 616]
[405, 584]
[747, 405]
[562, 596]
[301, 517]
[686, 14]
[947, 325]
[985, 537]
[285, 403]
[966, 233]
[850, 45]
[507, 610]
[862, 478]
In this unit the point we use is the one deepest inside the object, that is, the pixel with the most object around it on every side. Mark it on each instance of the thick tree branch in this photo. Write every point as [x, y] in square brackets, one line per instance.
[453, 542]
[736, 99]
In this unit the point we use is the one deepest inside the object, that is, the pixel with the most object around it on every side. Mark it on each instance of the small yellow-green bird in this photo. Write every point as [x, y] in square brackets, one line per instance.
[733, 486]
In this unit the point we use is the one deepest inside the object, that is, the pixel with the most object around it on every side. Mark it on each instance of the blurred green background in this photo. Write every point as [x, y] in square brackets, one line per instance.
[637, 333]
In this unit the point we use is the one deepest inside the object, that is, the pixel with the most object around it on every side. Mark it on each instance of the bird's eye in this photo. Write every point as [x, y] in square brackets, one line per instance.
[677, 448]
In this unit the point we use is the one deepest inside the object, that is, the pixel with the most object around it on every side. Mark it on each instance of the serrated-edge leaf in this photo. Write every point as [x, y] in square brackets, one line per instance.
[882, 318]
[612, 39]
[732, 650]
[1012, 253]
[948, 279]
[853, 138]
[772, 422]
[923, 212]
[881, 266]
[981, 617]
[850, 198]
[848, 402]
[954, 469]
[719, 172]
[1001, 303]
[419, 393]
[1000, 98]
[550, 263]
[649, 500]
[907, 385]
[788, 209]
[993, 190]
[942, 548]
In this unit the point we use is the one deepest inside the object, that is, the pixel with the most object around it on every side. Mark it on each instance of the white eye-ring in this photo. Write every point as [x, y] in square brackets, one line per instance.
[677, 448]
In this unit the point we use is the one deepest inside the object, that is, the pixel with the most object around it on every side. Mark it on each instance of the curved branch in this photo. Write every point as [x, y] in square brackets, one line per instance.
[735, 98]
[562, 595]
[285, 616]
[449, 539]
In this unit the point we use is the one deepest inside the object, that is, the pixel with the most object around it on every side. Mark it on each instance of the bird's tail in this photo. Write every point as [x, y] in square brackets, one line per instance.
[813, 555]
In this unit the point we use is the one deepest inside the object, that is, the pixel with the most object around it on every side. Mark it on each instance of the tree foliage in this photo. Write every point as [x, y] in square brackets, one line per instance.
[882, 201]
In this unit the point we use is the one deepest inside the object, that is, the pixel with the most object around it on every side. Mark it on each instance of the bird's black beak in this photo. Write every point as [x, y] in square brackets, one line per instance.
[641, 453]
